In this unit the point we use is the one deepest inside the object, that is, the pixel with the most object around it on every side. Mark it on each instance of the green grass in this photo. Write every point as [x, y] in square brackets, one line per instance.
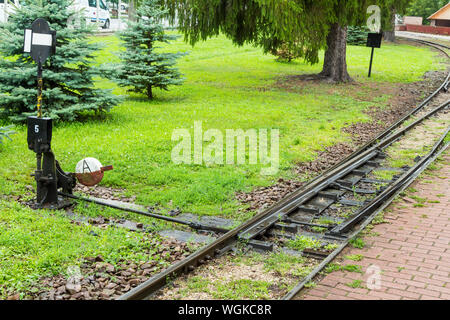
[242, 289]
[355, 257]
[284, 264]
[357, 243]
[419, 199]
[197, 283]
[331, 246]
[42, 243]
[226, 88]
[303, 242]
[287, 268]
[379, 219]
[228, 290]
[352, 268]
[332, 267]
[280, 263]
[310, 285]
[355, 284]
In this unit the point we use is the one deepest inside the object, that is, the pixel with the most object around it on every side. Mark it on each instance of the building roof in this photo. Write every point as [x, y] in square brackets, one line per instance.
[442, 14]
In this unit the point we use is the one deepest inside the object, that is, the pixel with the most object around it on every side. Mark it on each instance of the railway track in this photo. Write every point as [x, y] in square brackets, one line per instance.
[348, 185]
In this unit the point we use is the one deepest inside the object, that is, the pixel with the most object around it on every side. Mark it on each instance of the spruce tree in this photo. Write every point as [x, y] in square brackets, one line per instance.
[69, 88]
[143, 66]
[5, 132]
[303, 27]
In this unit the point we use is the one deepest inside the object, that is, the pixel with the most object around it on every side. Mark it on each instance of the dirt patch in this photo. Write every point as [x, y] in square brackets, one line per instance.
[262, 198]
[423, 136]
[209, 282]
[405, 97]
[326, 159]
[105, 193]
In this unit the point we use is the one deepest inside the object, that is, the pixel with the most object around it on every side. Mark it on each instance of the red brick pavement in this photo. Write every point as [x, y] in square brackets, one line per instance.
[411, 250]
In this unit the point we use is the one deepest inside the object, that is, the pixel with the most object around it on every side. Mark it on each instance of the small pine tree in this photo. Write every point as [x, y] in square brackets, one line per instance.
[68, 75]
[357, 36]
[5, 132]
[143, 67]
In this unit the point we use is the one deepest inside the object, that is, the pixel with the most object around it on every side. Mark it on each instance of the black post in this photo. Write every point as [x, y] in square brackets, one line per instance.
[48, 175]
[40, 88]
[373, 41]
[371, 60]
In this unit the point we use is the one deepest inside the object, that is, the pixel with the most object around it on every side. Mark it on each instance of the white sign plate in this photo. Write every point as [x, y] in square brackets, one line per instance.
[27, 43]
[42, 39]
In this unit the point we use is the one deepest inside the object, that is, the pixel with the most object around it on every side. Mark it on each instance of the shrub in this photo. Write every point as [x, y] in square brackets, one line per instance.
[5, 132]
[143, 67]
[357, 36]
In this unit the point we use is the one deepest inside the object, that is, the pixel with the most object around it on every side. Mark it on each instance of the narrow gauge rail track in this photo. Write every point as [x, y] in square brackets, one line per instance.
[295, 215]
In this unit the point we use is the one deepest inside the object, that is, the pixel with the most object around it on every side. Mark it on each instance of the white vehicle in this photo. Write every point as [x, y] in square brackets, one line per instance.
[398, 19]
[123, 9]
[90, 11]
[5, 10]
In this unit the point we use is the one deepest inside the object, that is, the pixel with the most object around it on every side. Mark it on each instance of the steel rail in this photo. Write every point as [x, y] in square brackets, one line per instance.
[403, 183]
[199, 226]
[415, 110]
[224, 242]
[193, 225]
[341, 171]
[374, 204]
[423, 41]
[212, 249]
[382, 135]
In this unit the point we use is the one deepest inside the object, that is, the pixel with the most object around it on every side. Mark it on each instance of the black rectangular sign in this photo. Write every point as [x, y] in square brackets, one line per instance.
[374, 40]
[39, 134]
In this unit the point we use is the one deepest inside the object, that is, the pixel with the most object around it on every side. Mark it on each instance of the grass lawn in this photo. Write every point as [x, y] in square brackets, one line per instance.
[226, 88]
[45, 243]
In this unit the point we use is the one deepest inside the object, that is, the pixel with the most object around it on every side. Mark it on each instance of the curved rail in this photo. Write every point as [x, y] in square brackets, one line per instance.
[223, 243]
[400, 186]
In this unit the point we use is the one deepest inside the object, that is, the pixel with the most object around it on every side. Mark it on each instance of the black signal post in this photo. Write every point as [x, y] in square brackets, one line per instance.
[40, 42]
[373, 41]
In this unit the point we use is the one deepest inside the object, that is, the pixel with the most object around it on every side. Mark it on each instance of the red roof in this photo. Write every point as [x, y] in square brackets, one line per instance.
[443, 13]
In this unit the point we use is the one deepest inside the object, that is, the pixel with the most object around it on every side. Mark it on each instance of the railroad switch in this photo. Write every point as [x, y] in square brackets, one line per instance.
[48, 175]
[40, 42]
[261, 245]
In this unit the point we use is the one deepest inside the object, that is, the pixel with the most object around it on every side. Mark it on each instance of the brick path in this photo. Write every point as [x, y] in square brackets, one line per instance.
[412, 249]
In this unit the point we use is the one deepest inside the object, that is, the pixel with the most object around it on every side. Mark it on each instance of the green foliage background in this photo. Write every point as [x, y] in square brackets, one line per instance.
[5, 132]
[357, 36]
[425, 8]
[142, 66]
[300, 26]
[69, 88]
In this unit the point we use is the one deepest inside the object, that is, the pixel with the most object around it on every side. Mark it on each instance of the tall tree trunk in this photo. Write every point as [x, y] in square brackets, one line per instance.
[390, 34]
[335, 63]
[132, 10]
[150, 92]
